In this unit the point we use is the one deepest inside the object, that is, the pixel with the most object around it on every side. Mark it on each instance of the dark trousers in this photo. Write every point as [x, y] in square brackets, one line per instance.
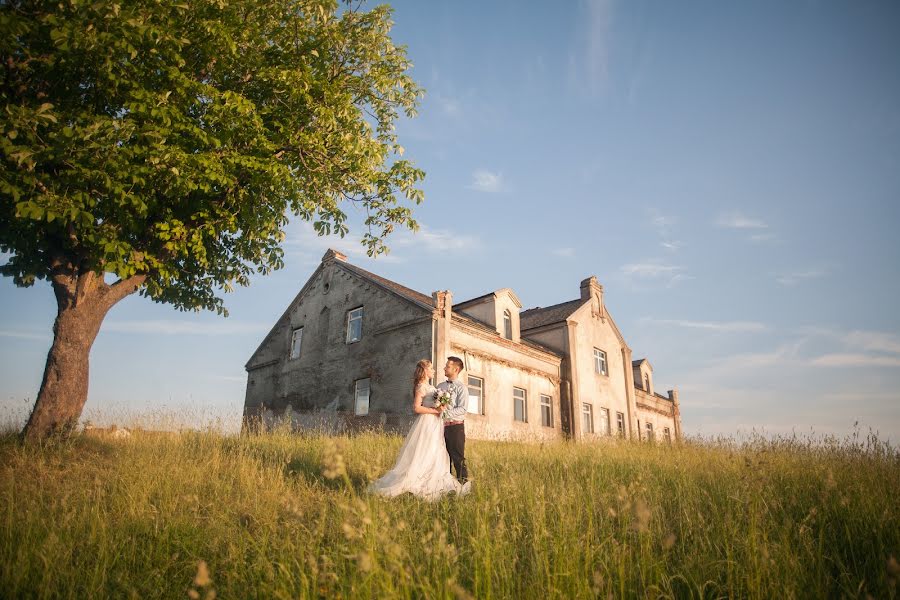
[455, 437]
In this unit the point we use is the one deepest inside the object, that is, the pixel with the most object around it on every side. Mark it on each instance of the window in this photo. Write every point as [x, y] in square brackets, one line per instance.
[296, 339]
[604, 421]
[646, 383]
[354, 325]
[520, 405]
[546, 411]
[361, 405]
[476, 395]
[587, 418]
[620, 424]
[667, 434]
[600, 365]
[649, 431]
[507, 324]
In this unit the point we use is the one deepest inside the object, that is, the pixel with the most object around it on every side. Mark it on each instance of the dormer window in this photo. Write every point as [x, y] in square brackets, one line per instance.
[507, 324]
[646, 383]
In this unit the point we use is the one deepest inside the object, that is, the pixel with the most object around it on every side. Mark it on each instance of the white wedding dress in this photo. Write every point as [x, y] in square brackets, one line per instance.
[423, 466]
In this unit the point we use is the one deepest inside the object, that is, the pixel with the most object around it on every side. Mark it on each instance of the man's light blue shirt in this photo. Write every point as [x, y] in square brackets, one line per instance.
[459, 398]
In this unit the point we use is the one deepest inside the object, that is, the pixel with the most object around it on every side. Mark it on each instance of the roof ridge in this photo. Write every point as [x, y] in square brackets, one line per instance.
[393, 285]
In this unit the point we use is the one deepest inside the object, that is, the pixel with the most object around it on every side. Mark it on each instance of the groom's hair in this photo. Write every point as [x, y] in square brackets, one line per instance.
[456, 361]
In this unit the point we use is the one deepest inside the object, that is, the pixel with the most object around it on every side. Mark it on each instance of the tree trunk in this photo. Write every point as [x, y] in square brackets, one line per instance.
[64, 388]
[83, 301]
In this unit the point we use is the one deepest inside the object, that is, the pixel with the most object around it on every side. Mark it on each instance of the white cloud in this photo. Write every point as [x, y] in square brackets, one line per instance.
[563, 252]
[449, 106]
[798, 276]
[651, 270]
[589, 64]
[655, 272]
[739, 221]
[718, 326]
[875, 341]
[759, 238]
[486, 181]
[436, 240]
[855, 360]
[663, 224]
[175, 327]
[671, 246]
[26, 335]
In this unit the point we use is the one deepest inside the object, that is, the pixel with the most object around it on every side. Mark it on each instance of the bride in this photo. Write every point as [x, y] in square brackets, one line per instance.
[423, 466]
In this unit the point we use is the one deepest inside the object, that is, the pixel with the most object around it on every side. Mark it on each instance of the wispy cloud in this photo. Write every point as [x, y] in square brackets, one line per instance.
[26, 335]
[874, 341]
[589, 63]
[717, 326]
[436, 240]
[563, 252]
[487, 181]
[449, 106]
[175, 327]
[799, 276]
[651, 270]
[664, 225]
[740, 221]
[655, 272]
[855, 360]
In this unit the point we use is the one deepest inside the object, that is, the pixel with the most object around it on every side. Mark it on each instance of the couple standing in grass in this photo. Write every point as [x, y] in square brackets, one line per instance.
[436, 439]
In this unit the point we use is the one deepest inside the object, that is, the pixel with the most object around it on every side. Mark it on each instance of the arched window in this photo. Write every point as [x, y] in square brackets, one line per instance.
[646, 383]
[507, 324]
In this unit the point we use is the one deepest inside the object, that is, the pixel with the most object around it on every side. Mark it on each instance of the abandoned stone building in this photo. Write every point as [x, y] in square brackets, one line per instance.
[342, 356]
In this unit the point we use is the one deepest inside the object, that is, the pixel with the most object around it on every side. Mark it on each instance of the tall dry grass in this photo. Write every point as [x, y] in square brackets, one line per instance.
[202, 514]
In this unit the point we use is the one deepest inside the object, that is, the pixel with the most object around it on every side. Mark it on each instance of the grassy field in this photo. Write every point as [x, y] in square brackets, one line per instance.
[205, 515]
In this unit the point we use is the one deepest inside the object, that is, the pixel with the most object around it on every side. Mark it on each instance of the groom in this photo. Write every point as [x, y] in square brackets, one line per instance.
[454, 419]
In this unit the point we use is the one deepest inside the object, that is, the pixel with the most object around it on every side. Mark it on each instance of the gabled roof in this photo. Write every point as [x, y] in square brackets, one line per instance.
[400, 290]
[484, 297]
[558, 313]
[404, 292]
[637, 363]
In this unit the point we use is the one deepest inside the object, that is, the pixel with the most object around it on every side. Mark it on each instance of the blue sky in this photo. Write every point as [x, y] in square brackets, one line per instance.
[729, 171]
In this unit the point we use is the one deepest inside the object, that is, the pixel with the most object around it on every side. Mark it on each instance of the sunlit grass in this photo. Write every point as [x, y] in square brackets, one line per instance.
[202, 513]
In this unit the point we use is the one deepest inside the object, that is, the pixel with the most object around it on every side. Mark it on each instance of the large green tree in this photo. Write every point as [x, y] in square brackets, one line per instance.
[160, 146]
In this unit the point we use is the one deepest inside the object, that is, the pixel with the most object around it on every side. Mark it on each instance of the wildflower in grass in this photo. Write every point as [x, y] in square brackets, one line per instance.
[202, 578]
[668, 541]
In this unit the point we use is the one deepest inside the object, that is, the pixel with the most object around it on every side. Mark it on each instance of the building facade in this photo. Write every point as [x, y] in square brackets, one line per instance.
[341, 358]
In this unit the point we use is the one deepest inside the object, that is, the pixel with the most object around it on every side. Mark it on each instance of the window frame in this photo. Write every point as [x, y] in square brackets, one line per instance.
[294, 332]
[587, 409]
[620, 424]
[647, 382]
[356, 390]
[605, 422]
[349, 321]
[668, 434]
[481, 398]
[524, 399]
[507, 324]
[648, 427]
[548, 422]
[600, 356]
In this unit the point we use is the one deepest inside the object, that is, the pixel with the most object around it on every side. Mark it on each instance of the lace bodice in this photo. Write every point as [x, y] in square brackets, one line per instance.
[428, 397]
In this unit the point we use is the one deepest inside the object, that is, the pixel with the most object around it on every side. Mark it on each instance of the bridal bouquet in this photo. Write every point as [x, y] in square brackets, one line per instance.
[442, 398]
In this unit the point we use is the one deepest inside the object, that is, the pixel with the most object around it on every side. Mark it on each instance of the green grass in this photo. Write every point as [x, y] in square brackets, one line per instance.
[286, 516]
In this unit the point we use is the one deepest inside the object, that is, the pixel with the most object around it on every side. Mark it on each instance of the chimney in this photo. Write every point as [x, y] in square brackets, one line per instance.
[593, 291]
[589, 286]
[333, 254]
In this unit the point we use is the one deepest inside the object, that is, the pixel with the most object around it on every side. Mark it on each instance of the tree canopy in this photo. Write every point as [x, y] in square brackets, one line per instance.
[172, 140]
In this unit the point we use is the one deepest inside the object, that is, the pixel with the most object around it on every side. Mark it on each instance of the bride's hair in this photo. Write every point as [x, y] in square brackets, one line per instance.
[419, 374]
